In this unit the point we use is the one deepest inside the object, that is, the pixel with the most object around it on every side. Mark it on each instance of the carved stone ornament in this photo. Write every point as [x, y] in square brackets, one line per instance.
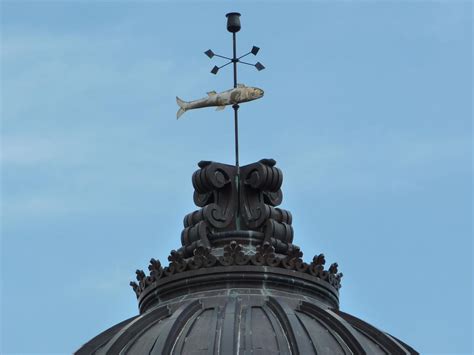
[234, 256]
[220, 193]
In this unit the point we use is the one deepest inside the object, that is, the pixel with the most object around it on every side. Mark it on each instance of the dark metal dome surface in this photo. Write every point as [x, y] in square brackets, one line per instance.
[246, 317]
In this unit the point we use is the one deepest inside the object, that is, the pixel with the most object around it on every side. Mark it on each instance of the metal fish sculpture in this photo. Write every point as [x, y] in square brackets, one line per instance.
[233, 96]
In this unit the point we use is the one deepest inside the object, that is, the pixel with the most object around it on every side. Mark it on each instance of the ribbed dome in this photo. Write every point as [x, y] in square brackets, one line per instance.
[238, 284]
[272, 317]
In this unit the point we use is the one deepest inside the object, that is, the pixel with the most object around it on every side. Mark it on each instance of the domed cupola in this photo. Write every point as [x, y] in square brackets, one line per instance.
[238, 284]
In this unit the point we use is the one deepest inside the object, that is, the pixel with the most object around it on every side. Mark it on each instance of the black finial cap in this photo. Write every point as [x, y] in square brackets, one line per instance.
[233, 22]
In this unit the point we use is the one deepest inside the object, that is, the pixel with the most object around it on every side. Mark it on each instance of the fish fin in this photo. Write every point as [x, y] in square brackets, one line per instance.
[180, 112]
[182, 107]
[220, 108]
[240, 85]
[211, 93]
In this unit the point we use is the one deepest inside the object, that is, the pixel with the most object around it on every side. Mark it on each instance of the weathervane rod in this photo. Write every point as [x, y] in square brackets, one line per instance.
[236, 106]
[233, 25]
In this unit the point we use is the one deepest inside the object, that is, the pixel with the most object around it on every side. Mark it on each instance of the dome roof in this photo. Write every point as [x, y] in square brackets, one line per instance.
[238, 284]
[254, 310]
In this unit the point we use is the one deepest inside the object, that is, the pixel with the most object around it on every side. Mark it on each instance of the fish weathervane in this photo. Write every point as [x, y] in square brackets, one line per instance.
[233, 96]
[239, 94]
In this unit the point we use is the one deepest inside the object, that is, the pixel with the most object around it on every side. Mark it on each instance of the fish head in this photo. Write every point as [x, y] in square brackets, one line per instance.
[255, 93]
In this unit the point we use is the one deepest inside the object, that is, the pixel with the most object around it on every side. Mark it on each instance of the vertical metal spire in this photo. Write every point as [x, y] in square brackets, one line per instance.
[233, 26]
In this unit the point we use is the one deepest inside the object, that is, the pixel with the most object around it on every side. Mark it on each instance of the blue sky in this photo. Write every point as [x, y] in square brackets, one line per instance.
[367, 111]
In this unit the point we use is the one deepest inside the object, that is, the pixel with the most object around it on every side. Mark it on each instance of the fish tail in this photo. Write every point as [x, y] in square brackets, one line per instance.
[182, 107]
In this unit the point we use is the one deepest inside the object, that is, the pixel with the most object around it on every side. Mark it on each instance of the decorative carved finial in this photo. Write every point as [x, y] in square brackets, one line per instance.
[233, 254]
[202, 258]
[177, 263]
[219, 191]
[265, 255]
[319, 260]
[156, 271]
[140, 275]
[294, 260]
